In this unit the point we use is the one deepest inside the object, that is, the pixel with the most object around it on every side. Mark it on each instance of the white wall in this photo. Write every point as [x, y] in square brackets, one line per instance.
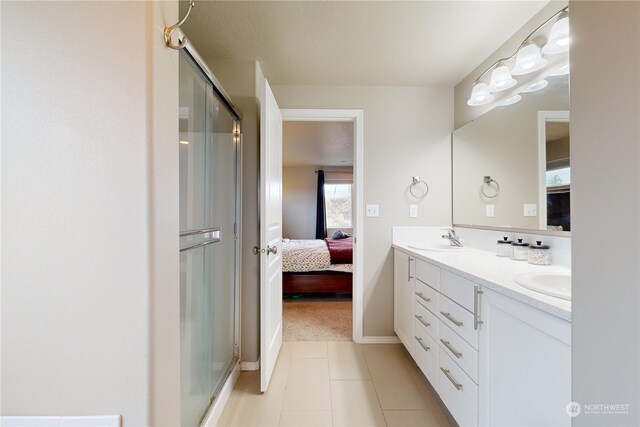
[90, 320]
[299, 187]
[605, 157]
[406, 132]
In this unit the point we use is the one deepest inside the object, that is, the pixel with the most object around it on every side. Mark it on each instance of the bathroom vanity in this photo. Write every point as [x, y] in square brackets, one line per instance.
[495, 352]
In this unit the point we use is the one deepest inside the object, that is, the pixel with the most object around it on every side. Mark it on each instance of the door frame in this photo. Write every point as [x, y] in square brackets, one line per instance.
[355, 116]
[544, 116]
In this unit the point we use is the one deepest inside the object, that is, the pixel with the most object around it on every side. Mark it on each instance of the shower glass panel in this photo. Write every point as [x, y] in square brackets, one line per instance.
[208, 156]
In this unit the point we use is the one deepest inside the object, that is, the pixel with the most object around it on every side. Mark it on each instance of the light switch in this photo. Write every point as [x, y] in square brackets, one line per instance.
[490, 211]
[530, 210]
[372, 211]
[413, 211]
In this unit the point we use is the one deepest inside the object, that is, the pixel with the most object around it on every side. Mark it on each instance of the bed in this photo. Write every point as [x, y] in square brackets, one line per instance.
[317, 266]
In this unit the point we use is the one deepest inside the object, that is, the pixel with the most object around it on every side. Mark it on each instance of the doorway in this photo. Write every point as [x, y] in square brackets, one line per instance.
[342, 178]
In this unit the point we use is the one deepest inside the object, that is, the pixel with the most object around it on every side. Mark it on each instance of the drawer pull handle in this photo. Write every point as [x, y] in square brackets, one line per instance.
[451, 349]
[447, 373]
[421, 344]
[422, 321]
[421, 295]
[451, 319]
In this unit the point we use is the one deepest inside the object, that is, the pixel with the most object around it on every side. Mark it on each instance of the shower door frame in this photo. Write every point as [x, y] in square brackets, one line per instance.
[212, 413]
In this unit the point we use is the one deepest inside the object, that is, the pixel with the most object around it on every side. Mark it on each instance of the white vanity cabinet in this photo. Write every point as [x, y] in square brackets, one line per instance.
[403, 297]
[525, 365]
[491, 359]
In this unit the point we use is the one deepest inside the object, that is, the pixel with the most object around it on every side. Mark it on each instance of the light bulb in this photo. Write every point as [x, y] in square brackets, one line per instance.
[480, 95]
[536, 86]
[510, 101]
[558, 37]
[528, 60]
[501, 79]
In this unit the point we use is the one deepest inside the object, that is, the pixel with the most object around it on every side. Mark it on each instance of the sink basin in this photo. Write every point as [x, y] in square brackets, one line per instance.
[436, 247]
[554, 284]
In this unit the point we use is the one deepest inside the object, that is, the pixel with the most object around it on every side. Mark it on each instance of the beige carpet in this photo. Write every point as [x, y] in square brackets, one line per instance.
[316, 320]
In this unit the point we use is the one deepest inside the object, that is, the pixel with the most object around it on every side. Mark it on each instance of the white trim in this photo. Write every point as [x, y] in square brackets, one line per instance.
[357, 117]
[380, 340]
[215, 411]
[559, 116]
[250, 366]
[56, 421]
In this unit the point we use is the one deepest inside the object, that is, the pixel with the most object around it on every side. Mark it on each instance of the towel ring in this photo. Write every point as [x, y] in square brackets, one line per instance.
[416, 181]
[487, 181]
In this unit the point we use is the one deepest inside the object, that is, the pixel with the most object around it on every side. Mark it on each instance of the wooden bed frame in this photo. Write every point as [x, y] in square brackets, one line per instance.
[317, 281]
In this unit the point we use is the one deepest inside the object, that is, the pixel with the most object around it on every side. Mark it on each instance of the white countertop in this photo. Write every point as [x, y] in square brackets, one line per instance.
[496, 273]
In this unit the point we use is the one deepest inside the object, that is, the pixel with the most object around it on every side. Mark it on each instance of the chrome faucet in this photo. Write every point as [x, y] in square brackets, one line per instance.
[452, 236]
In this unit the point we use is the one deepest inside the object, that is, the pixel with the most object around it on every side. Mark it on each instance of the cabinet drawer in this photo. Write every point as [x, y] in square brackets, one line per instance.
[457, 288]
[427, 319]
[460, 351]
[459, 319]
[426, 352]
[457, 391]
[428, 273]
[427, 296]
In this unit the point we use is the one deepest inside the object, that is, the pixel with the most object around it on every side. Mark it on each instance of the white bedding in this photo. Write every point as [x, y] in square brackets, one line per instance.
[309, 255]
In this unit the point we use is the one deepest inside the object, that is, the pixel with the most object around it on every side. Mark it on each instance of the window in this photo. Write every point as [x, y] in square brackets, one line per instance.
[337, 199]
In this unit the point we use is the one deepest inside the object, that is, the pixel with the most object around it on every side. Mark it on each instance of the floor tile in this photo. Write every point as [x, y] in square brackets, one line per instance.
[308, 386]
[355, 404]
[283, 364]
[393, 377]
[403, 418]
[247, 407]
[305, 419]
[309, 349]
[346, 361]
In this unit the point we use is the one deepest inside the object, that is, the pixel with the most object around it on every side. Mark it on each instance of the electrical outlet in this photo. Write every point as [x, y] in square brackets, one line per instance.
[490, 211]
[372, 211]
[413, 211]
[530, 210]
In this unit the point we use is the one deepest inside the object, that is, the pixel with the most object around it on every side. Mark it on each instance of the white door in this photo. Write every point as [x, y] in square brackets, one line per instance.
[270, 235]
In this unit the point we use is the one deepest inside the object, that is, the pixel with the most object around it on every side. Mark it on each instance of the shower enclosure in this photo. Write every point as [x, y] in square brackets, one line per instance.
[209, 149]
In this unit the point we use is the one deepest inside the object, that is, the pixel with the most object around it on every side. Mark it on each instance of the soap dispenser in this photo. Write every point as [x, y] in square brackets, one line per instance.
[503, 247]
[519, 250]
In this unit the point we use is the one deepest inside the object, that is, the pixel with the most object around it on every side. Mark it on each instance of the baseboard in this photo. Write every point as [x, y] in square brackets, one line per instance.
[216, 409]
[380, 340]
[250, 366]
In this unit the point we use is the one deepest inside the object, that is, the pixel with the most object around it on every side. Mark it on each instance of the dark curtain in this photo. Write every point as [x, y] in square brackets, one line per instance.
[321, 214]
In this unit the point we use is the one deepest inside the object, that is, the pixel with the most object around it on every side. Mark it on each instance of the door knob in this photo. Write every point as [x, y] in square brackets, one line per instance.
[272, 250]
[256, 250]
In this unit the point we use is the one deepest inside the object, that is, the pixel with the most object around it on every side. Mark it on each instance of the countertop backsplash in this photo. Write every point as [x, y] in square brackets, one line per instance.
[485, 239]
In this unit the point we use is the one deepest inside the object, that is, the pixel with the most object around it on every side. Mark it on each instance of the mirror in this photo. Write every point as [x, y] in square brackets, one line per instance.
[511, 165]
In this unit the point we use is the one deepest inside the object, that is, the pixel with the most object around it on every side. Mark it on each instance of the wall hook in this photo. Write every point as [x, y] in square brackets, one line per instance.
[169, 30]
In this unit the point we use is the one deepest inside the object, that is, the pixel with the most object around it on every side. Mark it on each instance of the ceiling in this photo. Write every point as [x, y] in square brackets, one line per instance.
[317, 143]
[379, 43]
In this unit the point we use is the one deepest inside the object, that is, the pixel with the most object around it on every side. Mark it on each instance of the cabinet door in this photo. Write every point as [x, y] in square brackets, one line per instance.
[525, 365]
[403, 297]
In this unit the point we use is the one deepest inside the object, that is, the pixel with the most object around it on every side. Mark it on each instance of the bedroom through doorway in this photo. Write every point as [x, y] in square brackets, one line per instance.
[318, 219]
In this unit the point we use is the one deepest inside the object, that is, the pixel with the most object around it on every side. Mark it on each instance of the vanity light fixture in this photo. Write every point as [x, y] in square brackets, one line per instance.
[528, 59]
[559, 36]
[480, 95]
[510, 101]
[536, 86]
[501, 79]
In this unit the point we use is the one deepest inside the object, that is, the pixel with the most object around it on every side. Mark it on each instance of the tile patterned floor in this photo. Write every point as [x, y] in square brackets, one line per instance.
[337, 384]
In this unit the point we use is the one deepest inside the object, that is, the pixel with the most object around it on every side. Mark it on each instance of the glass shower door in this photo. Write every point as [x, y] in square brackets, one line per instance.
[208, 252]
